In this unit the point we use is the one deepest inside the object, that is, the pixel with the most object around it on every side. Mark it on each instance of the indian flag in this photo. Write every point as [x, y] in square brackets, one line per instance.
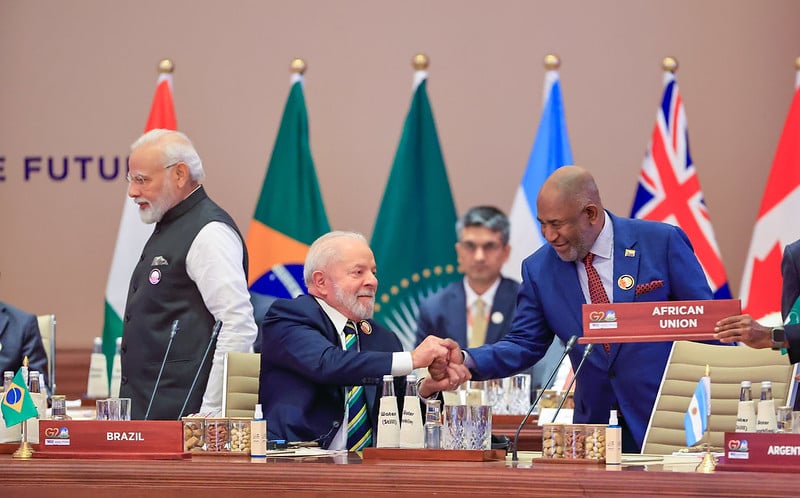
[290, 214]
[133, 233]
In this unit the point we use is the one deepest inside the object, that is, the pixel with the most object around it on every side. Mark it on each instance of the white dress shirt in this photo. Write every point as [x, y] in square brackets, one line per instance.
[487, 298]
[214, 263]
[603, 249]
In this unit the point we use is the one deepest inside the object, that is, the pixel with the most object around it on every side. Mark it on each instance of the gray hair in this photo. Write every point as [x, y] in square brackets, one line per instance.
[485, 216]
[175, 147]
[322, 252]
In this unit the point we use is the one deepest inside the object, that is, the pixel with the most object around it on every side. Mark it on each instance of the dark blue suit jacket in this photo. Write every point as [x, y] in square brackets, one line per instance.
[444, 315]
[304, 371]
[549, 304]
[19, 337]
[790, 271]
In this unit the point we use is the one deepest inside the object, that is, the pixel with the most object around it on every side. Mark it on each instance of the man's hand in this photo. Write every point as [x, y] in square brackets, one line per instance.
[742, 328]
[456, 374]
[432, 349]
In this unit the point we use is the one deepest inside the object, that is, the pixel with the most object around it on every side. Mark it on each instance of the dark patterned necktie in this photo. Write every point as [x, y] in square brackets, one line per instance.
[359, 430]
[597, 293]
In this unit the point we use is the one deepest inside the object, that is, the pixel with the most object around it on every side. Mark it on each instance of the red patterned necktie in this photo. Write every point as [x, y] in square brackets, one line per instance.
[597, 293]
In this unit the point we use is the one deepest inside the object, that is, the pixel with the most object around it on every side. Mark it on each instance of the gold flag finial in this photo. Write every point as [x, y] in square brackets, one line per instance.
[797, 63]
[297, 66]
[708, 370]
[25, 362]
[166, 66]
[420, 62]
[669, 64]
[552, 62]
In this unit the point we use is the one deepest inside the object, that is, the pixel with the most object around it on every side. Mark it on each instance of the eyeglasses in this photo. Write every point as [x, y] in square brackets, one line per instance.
[488, 247]
[142, 180]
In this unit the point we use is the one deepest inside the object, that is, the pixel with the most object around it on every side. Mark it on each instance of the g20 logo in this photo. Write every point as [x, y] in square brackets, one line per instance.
[55, 432]
[603, 316]
[737, 445]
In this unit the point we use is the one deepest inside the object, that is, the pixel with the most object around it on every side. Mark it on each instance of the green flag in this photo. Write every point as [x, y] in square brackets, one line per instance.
[290, 214]
[414, 236]
[17, 402]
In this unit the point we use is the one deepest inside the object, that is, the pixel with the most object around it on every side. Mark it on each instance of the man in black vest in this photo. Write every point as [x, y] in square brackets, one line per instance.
[192, 269]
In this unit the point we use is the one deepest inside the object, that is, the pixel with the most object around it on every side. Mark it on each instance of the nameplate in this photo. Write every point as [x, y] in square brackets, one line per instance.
[655, 321]
[761, 451]
[111, 439]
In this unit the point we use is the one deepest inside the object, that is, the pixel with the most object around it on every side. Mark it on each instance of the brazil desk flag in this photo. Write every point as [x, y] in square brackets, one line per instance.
[290, 214]
[17, 402]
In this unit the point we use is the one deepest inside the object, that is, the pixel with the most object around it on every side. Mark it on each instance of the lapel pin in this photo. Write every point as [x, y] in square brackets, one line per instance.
[497, 318]
[630, 253]
[625, 282]
[365, 327]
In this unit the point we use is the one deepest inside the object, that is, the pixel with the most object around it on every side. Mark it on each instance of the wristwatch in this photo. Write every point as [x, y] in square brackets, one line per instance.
[778, 338]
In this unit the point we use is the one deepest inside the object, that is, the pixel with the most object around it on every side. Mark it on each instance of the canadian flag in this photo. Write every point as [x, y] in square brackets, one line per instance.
[776, 225]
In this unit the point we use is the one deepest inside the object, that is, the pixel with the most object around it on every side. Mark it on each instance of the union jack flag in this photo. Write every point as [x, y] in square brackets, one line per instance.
[669, 189]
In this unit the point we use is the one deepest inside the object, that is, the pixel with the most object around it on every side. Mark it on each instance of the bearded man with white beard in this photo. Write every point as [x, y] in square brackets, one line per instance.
[192, 271]
[317, 348]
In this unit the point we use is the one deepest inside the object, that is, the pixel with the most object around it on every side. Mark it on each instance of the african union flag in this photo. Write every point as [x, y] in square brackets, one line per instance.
[290, 214]
[414, 237]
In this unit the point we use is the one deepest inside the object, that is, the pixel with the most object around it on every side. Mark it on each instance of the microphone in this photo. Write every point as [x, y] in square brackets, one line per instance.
[567, 348]
[325, 439]
[214, 333]
[161, 370]
[572, 382]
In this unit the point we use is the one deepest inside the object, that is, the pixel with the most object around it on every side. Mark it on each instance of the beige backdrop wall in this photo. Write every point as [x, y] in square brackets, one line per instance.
[77, 79]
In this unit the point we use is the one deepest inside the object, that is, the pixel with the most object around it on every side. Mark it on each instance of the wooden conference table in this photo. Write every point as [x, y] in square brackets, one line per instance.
[348, 475]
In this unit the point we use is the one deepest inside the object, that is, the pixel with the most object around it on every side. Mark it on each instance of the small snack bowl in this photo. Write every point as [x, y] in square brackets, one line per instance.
[193, 433]
[553, 441]
[239, 434]
[595, 442]
[217, 433]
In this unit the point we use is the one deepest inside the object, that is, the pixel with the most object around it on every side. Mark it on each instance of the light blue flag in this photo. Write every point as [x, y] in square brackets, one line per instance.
[550, 151]
[696, 419]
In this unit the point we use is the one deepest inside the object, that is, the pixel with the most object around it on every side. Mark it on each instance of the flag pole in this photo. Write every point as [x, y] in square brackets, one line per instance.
[708, 463]
[25, 451]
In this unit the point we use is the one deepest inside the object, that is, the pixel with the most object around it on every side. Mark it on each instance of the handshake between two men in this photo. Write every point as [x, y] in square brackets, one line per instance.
[445, 365]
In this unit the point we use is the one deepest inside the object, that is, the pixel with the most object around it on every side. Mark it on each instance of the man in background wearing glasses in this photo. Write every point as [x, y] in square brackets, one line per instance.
[193, 271]
[479, 309]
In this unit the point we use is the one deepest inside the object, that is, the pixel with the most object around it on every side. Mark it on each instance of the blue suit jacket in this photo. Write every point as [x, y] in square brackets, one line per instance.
[19, 337]
[550, 302]
[444, 315]
[790, 271]
[304, 371]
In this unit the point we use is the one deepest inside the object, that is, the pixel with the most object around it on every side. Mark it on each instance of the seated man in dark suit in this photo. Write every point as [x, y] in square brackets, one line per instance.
[19, 337]
[479, 309]
[322, 353]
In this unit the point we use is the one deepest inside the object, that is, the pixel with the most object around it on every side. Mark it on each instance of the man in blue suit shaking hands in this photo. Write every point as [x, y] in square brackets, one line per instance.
[591, 251]
[323, 357]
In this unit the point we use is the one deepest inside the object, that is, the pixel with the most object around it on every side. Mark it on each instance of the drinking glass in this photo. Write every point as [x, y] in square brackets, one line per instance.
[455, 420]
[519, 394]
[102, 409]
[478, 432]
